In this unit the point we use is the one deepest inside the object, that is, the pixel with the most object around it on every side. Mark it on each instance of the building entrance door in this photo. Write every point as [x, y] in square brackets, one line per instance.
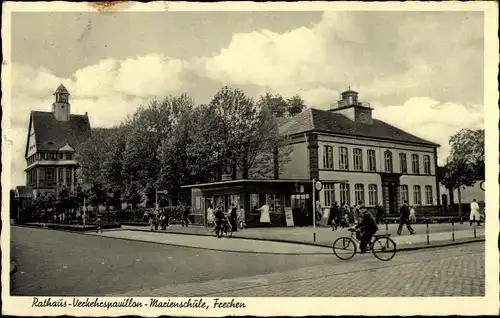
[390, 192]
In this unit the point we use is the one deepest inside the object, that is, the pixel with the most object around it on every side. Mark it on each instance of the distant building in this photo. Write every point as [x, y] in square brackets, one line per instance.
[53, 140]
[356, 157]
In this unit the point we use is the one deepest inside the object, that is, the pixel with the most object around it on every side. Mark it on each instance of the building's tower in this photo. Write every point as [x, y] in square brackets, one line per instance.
[61, 107]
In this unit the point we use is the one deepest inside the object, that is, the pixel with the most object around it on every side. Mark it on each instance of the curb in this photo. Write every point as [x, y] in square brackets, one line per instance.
[13, 267]
[406, 247]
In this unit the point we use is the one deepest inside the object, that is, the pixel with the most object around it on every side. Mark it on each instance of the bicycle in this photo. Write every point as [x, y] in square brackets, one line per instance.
[381, 245]
[226, 228]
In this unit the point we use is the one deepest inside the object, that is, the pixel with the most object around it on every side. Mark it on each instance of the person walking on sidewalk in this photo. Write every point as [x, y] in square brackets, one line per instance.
[98, 223]
[404, 218]
[379, 214]
[413, 215]
[335, 216]
[475, 215]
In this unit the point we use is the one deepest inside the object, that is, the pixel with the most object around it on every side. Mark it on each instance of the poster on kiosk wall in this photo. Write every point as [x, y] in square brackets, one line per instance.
[289, 216]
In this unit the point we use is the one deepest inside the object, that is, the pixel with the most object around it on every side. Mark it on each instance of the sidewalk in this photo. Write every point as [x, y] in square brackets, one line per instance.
[439, 235]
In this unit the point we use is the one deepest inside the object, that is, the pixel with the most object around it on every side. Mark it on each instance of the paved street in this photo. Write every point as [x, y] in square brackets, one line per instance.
[70, 264]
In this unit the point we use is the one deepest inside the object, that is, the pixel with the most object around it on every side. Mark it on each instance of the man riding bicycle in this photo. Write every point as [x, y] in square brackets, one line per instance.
[219, 218]
[367, 227]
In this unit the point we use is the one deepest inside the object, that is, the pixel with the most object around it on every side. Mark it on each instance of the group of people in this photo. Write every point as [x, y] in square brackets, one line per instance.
[343, 215]
[235, 217]
[159, 219]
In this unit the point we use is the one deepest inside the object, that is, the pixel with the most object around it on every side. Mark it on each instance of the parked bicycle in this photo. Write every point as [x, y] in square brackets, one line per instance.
[382, 246]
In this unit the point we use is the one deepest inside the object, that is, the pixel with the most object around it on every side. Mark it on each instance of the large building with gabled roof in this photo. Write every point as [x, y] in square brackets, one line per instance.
[354, 156]
[380, 163]
[53, 140]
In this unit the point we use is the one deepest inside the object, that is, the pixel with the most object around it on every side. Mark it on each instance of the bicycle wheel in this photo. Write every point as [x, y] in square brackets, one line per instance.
[344, 248]
[384, 248]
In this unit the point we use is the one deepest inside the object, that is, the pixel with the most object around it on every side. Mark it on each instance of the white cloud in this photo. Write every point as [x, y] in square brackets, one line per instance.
[107, 91]
[428, 55]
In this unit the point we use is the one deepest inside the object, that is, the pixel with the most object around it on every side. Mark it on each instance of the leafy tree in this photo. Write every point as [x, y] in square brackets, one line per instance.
[281, 107]
[465, 164]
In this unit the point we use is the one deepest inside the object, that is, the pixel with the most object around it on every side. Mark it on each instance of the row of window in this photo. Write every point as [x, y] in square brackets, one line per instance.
[49, 174]
[49, 156]
[359, 194]
[357, 155]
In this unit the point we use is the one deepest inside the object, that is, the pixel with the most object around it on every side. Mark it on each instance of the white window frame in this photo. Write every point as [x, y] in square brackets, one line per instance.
[345, 194]
[429, 195]
[372, 194]
[427, 164]
[403, 159]
[343, 158]
[359, 193]
[404, 193]
[417, 195]
[328, 157]
[357, 156]
[388, 162]
[372, 160]
[415, 164]
[329, 194]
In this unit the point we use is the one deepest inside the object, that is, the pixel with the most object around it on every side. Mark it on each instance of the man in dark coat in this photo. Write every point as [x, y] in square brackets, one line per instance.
[404, 218]
[233, 217]
[367, 227]
[335, 216]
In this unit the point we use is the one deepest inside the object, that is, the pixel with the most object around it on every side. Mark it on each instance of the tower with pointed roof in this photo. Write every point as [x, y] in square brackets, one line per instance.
[53, 141]
[61, 107]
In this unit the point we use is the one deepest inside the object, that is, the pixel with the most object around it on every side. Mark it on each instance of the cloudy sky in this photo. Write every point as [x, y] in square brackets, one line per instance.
[421, 71]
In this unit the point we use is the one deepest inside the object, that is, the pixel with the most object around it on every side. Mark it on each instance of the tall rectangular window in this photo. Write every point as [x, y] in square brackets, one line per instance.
[402, 163]
[329, 192]
[328, 157]
[60, 174]
[427, 164]
[359, 193]
[417, 195]
[372, 194]
[428, 195]
[357, 155]
[69, 156]
[49, 174]
[343, 159]
[68, 176]
[415, 165]
[345, 197]
[372, 163]
[388, 161]
[404, 192]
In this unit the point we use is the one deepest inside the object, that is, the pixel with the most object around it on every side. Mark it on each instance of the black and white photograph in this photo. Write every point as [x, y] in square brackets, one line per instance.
[249, 158]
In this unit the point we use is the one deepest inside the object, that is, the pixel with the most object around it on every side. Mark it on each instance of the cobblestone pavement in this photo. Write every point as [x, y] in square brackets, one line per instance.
[451, 271]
